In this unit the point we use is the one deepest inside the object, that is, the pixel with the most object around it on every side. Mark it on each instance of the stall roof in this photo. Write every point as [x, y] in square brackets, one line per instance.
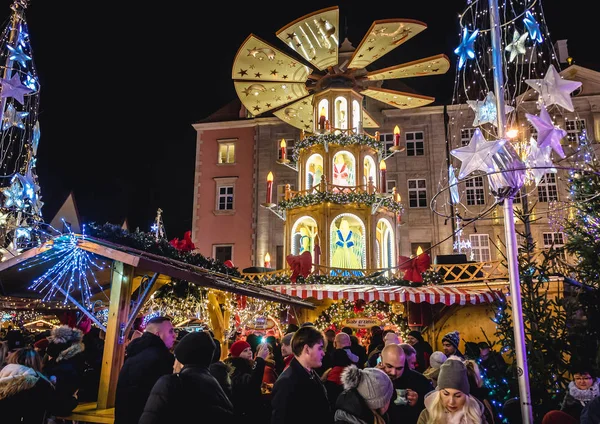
[17, 273]
[426, 294]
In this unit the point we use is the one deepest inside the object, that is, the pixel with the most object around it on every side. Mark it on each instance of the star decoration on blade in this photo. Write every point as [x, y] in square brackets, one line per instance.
[538, 161]
[517, 46]
[465, 49]
[549, 135]
[554, 90]
[14, 88]
[18, 55]
[532, 27]
[13, 195]
[12, 118]
[477, 155]
[485, 111]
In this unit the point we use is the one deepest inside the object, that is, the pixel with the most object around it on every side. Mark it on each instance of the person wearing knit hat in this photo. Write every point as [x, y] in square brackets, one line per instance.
[436, 360]
[370, 388]
[66, 355]
[450, 343]
[286, 349]
[241, 349]
[172, 395]
[424, 349]
[451, 402]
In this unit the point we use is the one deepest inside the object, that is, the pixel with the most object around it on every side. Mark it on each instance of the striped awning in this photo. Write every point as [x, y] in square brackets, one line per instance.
[428, 294]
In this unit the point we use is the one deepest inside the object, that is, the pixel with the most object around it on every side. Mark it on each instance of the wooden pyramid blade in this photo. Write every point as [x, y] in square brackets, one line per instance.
[368, 121]
[434, 65]
[257, 60]
[261, 96]
[315, 37]
[383, 37]
[298, 114]
[397, 98]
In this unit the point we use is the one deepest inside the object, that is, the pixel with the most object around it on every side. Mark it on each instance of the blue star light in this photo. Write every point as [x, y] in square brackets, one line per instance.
[465, 49]
[14, 195]
[532, 27]
[12, 118]
[14, 88]
[485, 111]
[31, 82]
[18, 55]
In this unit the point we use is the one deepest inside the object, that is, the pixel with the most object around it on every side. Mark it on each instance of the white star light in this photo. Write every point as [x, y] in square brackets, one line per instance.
[477, 156]
[549, 135]
[554, 90]
[538, 160]
[485, 111]
[517, 46]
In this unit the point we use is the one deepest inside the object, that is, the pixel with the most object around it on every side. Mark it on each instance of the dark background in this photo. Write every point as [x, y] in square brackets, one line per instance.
[123, 82]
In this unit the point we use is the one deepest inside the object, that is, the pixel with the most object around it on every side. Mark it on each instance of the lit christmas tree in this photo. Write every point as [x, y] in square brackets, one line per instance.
[20, 203]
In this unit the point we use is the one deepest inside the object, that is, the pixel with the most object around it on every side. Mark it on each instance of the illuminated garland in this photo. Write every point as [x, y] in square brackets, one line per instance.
[338, 140]
[340, 199]
[432, 277]
[335, 279]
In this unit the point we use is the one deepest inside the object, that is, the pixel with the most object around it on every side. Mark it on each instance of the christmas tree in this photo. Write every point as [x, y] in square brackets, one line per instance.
[20, 203]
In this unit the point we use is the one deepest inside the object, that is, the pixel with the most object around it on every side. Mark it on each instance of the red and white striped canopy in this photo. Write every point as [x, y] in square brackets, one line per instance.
[428, 294]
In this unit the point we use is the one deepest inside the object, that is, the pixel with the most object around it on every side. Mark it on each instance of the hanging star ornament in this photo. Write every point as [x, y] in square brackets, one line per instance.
[485, 111]
[477, 156]
[517, 46]
[465, 49]
[13, 195]
[532, 27]
[17, 54]
[14, 88]
[538, 161]
[12, 118]
[549, 135]
[554, 90]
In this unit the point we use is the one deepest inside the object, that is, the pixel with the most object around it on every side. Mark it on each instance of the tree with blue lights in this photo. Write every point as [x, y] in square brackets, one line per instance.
[20, 202]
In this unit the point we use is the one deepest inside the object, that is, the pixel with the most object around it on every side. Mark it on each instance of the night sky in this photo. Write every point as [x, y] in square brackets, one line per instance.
[121, 87]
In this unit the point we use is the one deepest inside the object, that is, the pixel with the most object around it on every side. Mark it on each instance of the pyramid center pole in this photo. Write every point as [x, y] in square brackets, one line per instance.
[509, 227]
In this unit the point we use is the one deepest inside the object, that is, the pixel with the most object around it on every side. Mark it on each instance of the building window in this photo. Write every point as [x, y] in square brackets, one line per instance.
[547, 189]
[480, 247]
[415, 146]
[518, 196]
[475, 193]
[281, 192]
[556, 241]
[388, 139]
[417, 193]
[389, 186]
[225, 195]
[226, 152]
[466, 134]
[223, 252]
[574, 129]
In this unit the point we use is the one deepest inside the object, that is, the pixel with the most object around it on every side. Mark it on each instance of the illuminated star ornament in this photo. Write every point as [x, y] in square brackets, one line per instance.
[14, 88]
[485, 111]
[477, 156]
[549, 135]
[13, 195]
[465, 49]
[12, 118]
[554, 90]
[532, 27]
[538, 161]
[17, 54]
[517, 46]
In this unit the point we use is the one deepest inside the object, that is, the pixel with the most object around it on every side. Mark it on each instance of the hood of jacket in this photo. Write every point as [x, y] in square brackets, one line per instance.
[352, 408]
[70, 352]
[144, 342]
[15, 378]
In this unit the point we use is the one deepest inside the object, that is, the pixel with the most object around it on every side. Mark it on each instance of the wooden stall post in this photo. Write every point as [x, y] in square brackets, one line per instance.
[114, 347]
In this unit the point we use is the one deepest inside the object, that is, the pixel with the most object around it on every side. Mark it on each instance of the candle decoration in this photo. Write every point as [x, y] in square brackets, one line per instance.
[322, 119]
[396, 147]
[269, 201]
[382, 179]
[283, 149]
[267, 260]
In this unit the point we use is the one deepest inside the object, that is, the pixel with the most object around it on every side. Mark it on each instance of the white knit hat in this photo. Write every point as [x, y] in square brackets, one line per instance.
[372, 384]
[436, 359]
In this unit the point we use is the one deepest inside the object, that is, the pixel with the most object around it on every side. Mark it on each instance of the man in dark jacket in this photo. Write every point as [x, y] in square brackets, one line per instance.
[194, 387]
[410, 386]
[298, 394]
[147, 359]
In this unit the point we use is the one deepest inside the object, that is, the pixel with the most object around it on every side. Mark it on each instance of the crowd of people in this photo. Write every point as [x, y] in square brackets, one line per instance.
[305, 376]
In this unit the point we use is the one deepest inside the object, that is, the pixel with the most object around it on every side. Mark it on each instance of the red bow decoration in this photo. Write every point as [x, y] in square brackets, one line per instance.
[413, 267]
[228, 263]
[184, 245]
[300, 265]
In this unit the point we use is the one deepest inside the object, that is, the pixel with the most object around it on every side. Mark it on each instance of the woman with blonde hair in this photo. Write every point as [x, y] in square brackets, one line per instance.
[451, 402]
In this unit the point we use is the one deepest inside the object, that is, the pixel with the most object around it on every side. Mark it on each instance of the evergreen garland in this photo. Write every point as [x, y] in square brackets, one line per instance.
[341, 199]
[336, 139]
[336, 280]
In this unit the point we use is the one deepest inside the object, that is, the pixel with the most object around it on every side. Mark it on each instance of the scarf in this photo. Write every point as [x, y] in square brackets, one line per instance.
[584, 396]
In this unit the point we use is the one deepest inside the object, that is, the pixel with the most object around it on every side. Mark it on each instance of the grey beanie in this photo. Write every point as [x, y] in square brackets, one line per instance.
[287, 339]
[372, 384]
[436, 359]
[453, 375]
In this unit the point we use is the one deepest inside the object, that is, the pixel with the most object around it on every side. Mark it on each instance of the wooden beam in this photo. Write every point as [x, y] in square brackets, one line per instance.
[114, 348]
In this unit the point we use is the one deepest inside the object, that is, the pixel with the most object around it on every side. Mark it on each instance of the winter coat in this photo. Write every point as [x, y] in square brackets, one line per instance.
[67, 369]
[270, 375]
[147, 359]
[27, 397]
[424, 351]
[576, 399]
[350, 408]
[300, 398]
[424, 417]
[191, 396]
[591, 412]
[417, 382]
[222, 373]
[246, 381]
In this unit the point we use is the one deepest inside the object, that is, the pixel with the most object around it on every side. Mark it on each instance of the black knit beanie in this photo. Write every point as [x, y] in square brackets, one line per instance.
[195, 349]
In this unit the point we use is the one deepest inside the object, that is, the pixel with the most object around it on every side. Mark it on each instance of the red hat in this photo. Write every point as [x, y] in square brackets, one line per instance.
[238, 347]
